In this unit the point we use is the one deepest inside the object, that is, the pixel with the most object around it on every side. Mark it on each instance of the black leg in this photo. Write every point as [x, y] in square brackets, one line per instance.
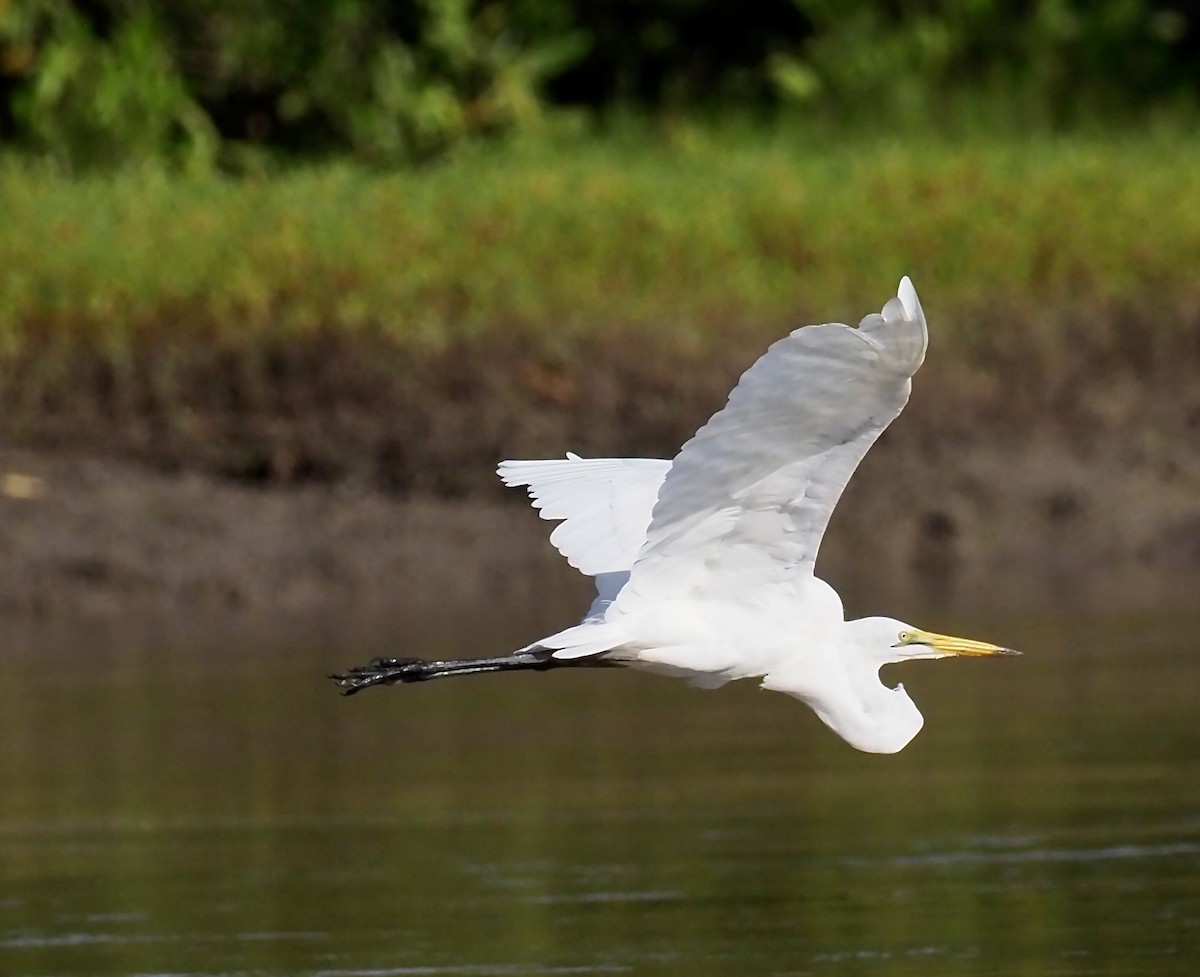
[401, 671]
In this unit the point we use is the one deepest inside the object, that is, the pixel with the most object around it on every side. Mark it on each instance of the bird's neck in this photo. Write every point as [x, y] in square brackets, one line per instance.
[872, 717]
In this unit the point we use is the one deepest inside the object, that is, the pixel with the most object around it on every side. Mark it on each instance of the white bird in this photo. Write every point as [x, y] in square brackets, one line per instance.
[704, 564]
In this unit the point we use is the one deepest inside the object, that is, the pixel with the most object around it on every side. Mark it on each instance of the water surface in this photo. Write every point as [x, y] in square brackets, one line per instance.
[192, 799]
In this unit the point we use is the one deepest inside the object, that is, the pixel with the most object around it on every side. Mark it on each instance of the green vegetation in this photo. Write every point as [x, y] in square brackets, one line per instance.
[684, 236]
[400, 328]
[243, 84]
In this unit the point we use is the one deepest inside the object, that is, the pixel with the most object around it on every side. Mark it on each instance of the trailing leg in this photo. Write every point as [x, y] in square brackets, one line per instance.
[393, 671]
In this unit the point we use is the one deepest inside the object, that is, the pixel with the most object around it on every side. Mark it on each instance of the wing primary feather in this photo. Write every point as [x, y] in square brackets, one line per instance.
[604, 505]
[748, 498]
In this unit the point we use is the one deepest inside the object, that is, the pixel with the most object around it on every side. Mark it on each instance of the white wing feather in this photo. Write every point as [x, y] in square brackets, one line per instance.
[605, 505]
[746, 501]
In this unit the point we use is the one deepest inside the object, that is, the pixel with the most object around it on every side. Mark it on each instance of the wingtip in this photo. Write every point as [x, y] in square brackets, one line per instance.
[908, 298]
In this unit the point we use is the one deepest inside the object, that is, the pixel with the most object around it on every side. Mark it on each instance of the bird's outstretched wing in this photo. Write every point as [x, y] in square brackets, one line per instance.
[746, 502]
[605, 505]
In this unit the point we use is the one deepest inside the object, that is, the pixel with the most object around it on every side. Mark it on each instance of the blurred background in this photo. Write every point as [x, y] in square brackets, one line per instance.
[281, 282]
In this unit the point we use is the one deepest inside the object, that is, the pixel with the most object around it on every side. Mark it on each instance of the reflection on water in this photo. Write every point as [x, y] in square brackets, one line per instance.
[198, 801]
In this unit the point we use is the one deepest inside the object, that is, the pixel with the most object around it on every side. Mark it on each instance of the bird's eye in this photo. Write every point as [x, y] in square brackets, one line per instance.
[904, 637]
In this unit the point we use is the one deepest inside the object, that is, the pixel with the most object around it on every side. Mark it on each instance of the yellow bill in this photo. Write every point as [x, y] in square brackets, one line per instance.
[948, 644]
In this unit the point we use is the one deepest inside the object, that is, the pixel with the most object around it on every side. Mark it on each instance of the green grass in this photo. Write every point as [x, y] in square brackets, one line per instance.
[408, 328]
[682, 233]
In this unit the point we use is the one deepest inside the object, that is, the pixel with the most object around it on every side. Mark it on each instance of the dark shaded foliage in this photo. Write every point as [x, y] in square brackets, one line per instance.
[236, 82]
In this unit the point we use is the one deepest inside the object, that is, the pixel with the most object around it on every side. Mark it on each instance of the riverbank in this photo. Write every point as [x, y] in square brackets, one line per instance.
[1016, 517]
[405, 330]
[256, 394]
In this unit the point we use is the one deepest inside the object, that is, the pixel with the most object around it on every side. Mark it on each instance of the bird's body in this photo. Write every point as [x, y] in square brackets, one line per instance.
[704, 565]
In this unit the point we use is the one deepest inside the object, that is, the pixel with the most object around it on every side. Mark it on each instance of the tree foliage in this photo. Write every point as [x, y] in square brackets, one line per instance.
[230, 82]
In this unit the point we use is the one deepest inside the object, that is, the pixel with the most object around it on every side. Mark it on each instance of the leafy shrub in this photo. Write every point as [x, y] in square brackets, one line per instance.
[175, 81]
[99, 82]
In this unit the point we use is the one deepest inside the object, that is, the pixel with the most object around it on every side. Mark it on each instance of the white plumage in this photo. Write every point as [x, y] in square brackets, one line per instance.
[704, 565]
[604, 503]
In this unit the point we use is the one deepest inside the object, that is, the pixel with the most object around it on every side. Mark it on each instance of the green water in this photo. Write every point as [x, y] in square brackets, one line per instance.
[188, 800]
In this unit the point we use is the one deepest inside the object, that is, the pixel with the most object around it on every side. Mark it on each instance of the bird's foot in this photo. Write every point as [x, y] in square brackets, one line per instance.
[380, 671]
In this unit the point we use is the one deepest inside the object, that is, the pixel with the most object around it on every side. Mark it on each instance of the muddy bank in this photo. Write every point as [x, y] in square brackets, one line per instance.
[1025, 523]
[410, 420]
[328, 472]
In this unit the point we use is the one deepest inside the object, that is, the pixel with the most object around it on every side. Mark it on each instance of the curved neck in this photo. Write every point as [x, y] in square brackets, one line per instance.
[858, 707]
[840, 682]
[875, 719]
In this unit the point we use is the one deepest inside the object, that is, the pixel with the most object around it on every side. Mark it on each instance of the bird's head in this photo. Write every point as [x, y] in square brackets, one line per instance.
[896, 641]
[859, 707]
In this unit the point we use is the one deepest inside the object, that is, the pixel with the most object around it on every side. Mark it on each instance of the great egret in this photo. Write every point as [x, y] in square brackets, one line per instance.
[704, 564]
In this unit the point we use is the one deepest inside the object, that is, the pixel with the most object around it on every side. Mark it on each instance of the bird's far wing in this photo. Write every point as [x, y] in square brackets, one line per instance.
[605, 505]
[747, 499]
